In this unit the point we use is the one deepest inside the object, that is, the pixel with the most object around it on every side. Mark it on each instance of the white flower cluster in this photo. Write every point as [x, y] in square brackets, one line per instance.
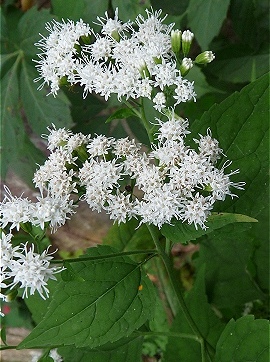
[21, 266]
[171, 181]
[130, 60]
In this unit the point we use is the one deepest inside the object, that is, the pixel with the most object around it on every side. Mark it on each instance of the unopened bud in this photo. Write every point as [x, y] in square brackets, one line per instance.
[115, 35]
[205, 57]
[185, 66]
[176, 40]
[144, 72]
[187, 38]
[11, 295]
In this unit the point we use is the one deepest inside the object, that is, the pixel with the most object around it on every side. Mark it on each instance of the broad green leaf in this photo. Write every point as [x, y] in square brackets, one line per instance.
[240, 69]
[246, 339]
[121, 113]
[84, 110]
[202, 13]
[42, 110]
[240, 123]
[26, 161]
[68, 9]
[182, 232]
[186, 349]
[156, 343]
[127, 236]
[30, 26]
[229, 282]
[201, 86]
[127, 349]
[129, 9]
[94, 9]
[243, 16]
[12, 130]
[6, 58]
[171, 7]
[38, 306]
[105, 307]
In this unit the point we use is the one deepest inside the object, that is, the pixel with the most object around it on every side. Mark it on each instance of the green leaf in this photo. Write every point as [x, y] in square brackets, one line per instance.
[3, 334]
[201, 86]
[189, 350]
[127, 349]
[156, 343]
[26, 160]
[127, 236]
[240, 69]
[240, 123]
[121, 113]
[68, 9]
[227, 255]
[171, 7]
[129, 9]
[105, 307]
[242, 14]
[42, 110]
[182, 232]
[38, 306]
[94, 9]
[12, 129]
[199, 14]
[31, 24]
[83, 110]
[245, 339]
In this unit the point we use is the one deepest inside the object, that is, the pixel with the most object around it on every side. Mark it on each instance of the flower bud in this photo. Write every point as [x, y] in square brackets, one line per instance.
[187, 38]
[205, 57]
[11, 295]
[176, 40]
[115, 35]
[144, 72]
[185, 66]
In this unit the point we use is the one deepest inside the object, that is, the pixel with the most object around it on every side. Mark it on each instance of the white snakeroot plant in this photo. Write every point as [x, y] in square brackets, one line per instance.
[176, 180]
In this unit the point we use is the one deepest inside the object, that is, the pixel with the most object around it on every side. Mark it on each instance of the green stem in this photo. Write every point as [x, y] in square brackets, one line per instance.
[168, 334]
[2, 348]
[109, 256]
[168, 246]
[207, 349]
[166, 289]
[143, 119]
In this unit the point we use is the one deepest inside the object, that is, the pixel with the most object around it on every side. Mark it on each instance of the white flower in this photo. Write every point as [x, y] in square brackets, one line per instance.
[112, 26]
[58, 57]
[100, 49]
[159, 101]
[125, 147]
[55, 355]
[52, 210]
[7, 251]
[99, 146]
[221, 184]
[119, 207]
[57, 137]
[196, 210]
[184, 91]
[149, 178]
[158, 207]
[165, 74]
[174, 129]
[15, 210]
[143, 88]
[31, 271]
[209, 146]
[169, 153]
